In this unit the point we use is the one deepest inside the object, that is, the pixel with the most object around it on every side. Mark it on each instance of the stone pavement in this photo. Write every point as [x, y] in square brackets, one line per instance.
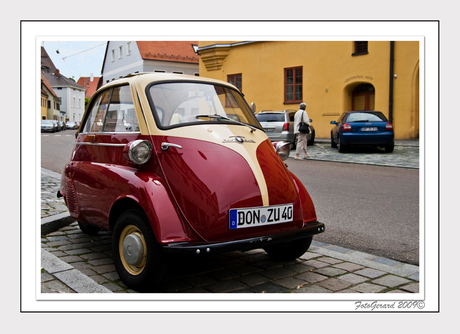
[73, 262]
[405, 154]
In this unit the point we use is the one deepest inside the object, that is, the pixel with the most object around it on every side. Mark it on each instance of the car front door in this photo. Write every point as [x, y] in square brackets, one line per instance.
[110, 123]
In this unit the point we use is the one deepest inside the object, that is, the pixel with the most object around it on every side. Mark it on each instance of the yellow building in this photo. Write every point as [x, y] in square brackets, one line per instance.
[50, 102]
[329, 76]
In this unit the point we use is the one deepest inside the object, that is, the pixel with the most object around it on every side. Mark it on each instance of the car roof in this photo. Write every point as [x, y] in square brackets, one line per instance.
[148, 78]
[368, 111]
[275, 111]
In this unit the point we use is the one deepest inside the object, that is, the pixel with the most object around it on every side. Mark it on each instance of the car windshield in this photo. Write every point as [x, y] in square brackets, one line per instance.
[366, 117]
[186, 103]
[47, 122]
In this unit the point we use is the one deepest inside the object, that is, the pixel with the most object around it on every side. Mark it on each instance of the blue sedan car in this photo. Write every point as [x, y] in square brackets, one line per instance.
[362, 128]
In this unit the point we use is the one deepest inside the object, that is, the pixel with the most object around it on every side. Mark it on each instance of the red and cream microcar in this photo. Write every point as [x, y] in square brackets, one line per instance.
[171, 163]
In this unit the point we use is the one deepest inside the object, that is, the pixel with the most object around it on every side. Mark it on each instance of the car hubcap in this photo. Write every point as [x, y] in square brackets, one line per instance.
[133, 250]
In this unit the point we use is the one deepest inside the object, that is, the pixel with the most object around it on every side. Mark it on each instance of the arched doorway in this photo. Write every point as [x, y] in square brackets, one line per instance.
[363, 97]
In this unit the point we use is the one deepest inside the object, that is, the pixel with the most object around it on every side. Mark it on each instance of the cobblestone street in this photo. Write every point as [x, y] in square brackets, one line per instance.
[323, 269]
[74, 262]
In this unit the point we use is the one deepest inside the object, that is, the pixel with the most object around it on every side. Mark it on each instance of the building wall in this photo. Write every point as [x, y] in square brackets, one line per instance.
[72, 102]
[117, 67]
[170, 67]
[76, 103]
[43, 106]
[330, 73]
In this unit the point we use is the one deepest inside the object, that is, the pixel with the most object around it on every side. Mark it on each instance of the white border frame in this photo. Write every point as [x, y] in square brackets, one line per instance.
[33, 32]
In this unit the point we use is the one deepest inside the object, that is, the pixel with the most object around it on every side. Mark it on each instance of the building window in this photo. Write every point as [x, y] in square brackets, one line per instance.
[113, 55]
[128, 52]
[360, 48]
[121, 51]
[293, 80]
[236, 80]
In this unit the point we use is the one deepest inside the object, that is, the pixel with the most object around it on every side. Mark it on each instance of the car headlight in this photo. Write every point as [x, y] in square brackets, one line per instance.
[138, 151]
[283, 148]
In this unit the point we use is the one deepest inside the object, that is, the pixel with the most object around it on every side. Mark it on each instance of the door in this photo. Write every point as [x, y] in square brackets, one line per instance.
[363, 97]
[110, 123]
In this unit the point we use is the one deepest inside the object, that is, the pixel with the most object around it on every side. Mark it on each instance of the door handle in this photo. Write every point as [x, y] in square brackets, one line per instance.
[166, 146]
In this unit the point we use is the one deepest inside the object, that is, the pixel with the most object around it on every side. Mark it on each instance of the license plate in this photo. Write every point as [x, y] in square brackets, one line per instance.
[269, 129]
[261, 216]
[369, 129]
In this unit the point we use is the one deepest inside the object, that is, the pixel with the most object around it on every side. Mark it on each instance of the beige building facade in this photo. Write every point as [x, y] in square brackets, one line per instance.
[329, 76]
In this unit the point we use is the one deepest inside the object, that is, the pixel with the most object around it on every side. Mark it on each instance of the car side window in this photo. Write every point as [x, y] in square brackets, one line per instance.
[96, 118]
[121, 115]
[113, 111]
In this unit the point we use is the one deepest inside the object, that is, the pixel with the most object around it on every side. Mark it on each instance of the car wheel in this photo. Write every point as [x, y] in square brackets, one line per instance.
[342, 147]
[389, 148]
[136, 253]
[289, 251]
[88, 228]
[333, 144]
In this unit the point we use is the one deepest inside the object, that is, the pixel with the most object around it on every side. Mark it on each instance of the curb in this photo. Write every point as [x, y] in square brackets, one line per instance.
[398, 142]
[71, 277]
[55, 222]
[367, 260]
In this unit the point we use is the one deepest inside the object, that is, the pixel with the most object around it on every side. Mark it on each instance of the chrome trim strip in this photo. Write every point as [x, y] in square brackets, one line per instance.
[100, 144]
[110, 133]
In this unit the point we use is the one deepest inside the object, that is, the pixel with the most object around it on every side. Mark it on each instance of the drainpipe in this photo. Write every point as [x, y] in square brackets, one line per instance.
[392, 61]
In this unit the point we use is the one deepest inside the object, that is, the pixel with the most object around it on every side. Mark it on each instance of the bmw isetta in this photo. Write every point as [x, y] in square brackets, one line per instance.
[175, 163]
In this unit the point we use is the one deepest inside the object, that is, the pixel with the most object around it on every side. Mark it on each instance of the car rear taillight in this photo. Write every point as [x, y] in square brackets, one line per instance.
[346, 127]
[389, 126]
[286, 127]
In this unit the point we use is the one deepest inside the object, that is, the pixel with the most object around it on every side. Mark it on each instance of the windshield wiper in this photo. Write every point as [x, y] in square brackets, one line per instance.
[253, 128]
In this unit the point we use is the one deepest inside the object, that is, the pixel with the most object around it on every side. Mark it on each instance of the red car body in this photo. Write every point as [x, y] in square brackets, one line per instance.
[209, 184]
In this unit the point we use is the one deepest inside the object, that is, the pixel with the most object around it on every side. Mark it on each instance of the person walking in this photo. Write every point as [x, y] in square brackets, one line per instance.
[301, 116]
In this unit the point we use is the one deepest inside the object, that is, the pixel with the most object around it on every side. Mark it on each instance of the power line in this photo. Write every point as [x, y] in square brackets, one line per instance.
[64, 58]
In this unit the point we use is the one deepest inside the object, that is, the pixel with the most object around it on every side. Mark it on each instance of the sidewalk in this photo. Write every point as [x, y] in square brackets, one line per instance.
[74, 262]
[405, 154]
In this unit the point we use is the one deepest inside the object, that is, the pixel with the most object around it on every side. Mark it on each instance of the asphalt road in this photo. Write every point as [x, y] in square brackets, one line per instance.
[371, 209]
[56, 149]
